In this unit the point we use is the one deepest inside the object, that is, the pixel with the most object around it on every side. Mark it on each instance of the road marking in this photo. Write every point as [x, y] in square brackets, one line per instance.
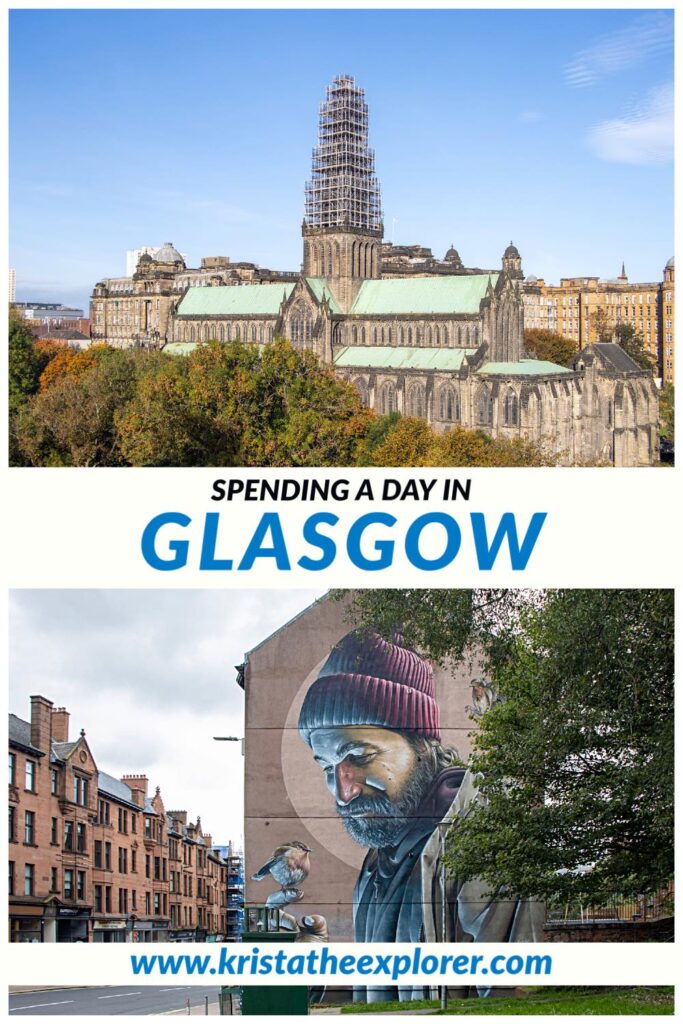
[121, 995]
[34, 1006]
[176, 988]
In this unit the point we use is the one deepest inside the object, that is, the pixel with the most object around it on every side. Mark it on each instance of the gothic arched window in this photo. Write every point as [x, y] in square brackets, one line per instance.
[449, 404]
[387, 399]
[485, 407]
[416, 401]
[510, 409]
[362, 389]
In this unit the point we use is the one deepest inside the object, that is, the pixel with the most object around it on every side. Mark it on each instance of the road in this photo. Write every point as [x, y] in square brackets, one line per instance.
[141, 999]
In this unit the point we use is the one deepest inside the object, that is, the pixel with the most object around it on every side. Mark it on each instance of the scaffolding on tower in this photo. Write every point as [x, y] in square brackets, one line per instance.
[343, 191]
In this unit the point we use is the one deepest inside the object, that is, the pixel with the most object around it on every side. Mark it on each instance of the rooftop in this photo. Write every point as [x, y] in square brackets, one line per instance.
[389, 358]
[460, 293]
[235, 300]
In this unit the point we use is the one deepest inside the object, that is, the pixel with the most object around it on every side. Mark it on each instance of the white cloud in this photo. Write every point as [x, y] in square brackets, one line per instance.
[643, 136]
[150, 677]
[646, 36]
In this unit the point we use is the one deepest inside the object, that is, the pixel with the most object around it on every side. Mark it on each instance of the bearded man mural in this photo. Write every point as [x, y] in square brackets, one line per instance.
[373, 725]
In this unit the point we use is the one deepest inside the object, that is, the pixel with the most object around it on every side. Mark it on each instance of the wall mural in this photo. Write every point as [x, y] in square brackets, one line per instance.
[371, 724]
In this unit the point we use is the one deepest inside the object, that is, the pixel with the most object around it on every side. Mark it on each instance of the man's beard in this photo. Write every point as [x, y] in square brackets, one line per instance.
[392, 816]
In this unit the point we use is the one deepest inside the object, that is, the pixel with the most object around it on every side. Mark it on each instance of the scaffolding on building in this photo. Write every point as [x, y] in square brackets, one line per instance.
[343, 191]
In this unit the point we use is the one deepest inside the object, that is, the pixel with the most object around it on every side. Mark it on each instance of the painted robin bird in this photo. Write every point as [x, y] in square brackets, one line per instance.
[289, 865]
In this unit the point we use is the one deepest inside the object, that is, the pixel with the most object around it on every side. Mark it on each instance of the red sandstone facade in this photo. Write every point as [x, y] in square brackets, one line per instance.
[93, 858]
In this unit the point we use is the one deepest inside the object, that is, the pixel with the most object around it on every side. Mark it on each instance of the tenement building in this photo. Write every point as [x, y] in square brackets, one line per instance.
[583, 308]
[416, 335]
[94, 858]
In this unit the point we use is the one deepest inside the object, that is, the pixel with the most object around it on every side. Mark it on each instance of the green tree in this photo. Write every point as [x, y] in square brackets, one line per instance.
[666, 412]
[234, 404]
[24, 363]
[543, 344]
[634, 346]
[73, 422]
[575, 760]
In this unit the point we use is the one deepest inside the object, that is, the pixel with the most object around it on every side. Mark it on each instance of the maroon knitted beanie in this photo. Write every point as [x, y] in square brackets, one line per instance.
[370, 681]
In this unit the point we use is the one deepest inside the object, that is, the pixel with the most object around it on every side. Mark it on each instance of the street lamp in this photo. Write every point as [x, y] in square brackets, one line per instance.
[231, 739]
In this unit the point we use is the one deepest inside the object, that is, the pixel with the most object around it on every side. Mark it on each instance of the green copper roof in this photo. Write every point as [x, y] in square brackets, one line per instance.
[525, 367]
[451, 294]
[179, 348]
[235, 300]
[388, 358]
[319, 287]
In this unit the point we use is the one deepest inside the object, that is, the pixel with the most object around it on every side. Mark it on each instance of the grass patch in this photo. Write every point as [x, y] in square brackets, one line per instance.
[572, 1001]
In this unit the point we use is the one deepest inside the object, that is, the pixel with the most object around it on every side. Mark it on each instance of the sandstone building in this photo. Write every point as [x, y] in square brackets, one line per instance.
[93, 858]
[575, 307]
[422, 337]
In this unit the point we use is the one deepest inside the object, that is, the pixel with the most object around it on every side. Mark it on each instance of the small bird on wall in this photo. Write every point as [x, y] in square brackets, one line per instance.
[289, 865]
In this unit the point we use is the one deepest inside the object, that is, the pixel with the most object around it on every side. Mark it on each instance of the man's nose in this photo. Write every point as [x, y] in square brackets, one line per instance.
[346, 784]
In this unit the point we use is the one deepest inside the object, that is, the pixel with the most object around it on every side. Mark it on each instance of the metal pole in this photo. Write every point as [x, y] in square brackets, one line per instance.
[442, 843]
[206, 1006]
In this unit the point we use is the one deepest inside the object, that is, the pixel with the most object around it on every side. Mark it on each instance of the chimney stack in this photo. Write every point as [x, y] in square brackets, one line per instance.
[138, 786]
[60, 725]
[41, 723]
[180, 816]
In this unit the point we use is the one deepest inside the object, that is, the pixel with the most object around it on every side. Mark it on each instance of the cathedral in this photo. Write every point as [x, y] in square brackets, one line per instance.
[446, 345]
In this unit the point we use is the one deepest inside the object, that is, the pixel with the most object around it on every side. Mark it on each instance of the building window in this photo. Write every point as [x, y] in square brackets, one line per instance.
[510, 409]
[31, 776]
[133, 822]
[123, 861]
[148, 904]
[11, 878]
[107, 899]
[449, 405]
[80, 885]
[485, 407]
[157, 902]
[68, 835]
[98, 899]
[11, 826]
[133, 860]
[54, 880]
[29, 828]
[134, 899]
[68, 884]
[123, 901]
[29, 877]
[54, 834]
[98, 853]
[80, 791]
[147, 866]
[12, 769]
[123, 820]
[80, 837]
[53, 781]
[610, 414]
[103, 812]
[148, 828]
[107, 856]
[157, 869]
[387, 403]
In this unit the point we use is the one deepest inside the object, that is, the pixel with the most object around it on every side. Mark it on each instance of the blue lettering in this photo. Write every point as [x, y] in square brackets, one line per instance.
[519, 555]
[319, 540]
[179, 547]
[208, 559]
[453, 538]
[384, 547]
[268, 524]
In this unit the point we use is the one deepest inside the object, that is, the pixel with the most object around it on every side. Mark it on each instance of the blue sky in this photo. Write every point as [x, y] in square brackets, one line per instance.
[135, 127]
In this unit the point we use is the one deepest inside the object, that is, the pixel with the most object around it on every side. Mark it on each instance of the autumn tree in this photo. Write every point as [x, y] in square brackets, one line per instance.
[23, 361]
[73, 422]
[549, 345]
[236, 404]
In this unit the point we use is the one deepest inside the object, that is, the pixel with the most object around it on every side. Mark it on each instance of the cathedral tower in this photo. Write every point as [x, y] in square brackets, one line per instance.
[342, 226]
